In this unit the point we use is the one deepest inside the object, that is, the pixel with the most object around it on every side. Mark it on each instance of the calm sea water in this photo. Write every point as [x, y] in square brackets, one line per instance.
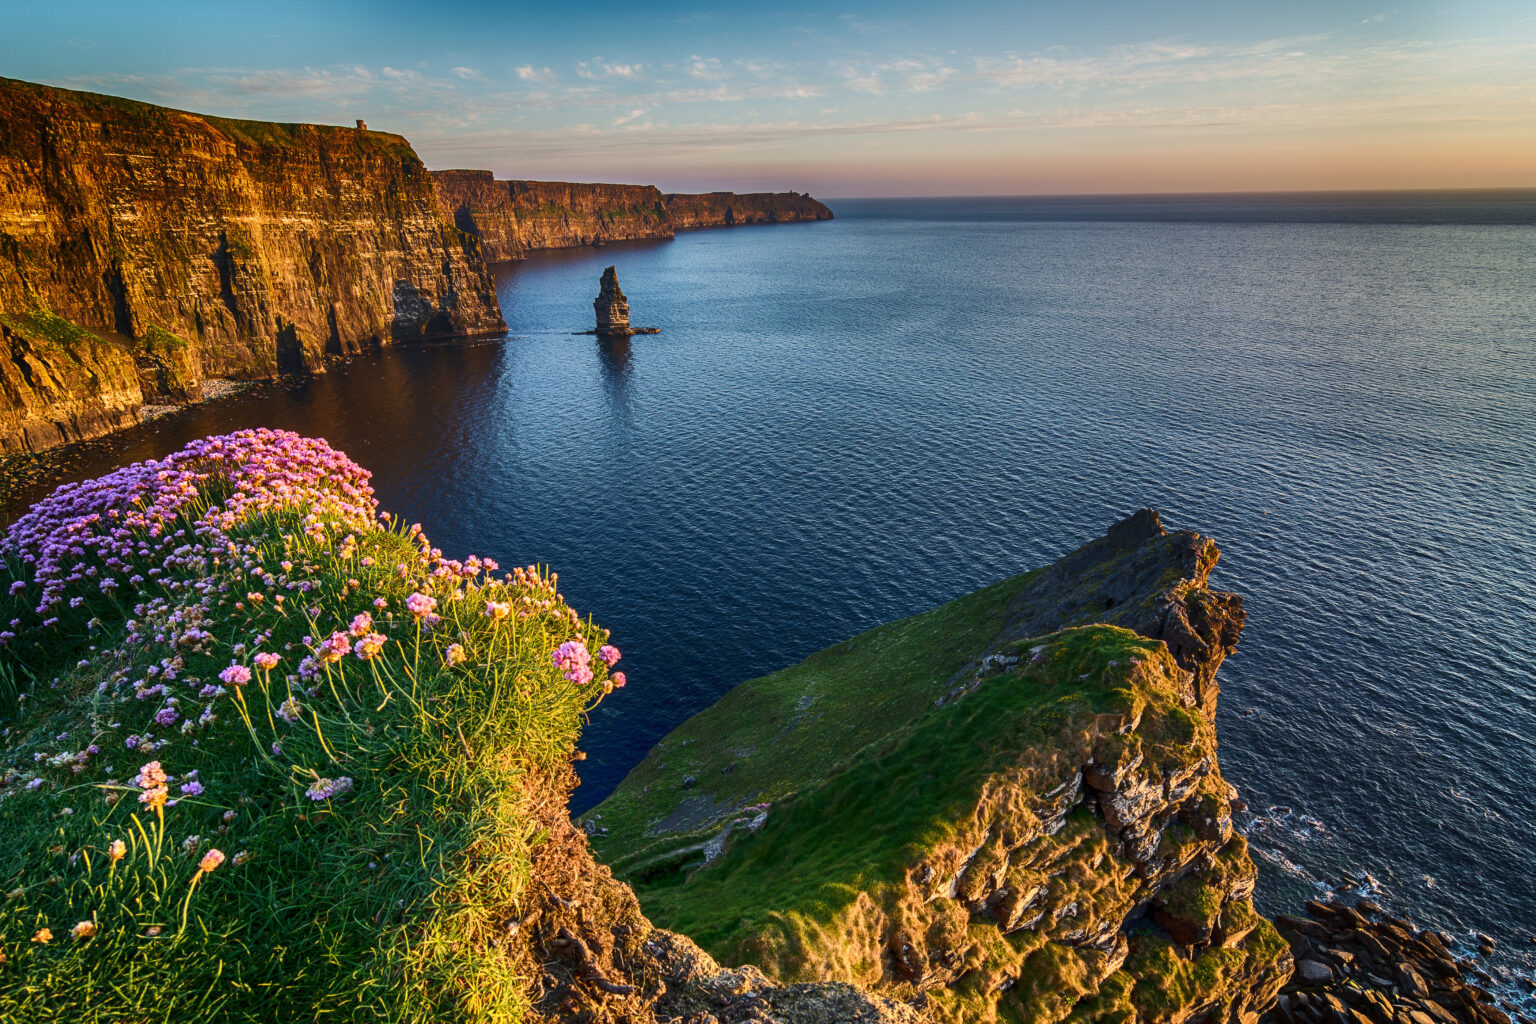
[851, 421]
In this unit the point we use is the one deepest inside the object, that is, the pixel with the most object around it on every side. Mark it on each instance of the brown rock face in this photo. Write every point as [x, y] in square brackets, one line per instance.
[260, 247]
[513, 218]
[611, 306]
[728, 209]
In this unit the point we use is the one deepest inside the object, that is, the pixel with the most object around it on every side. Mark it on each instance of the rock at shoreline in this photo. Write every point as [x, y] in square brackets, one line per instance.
[1360, 965]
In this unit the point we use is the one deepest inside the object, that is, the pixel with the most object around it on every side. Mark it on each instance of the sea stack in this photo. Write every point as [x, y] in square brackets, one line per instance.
[611, 305]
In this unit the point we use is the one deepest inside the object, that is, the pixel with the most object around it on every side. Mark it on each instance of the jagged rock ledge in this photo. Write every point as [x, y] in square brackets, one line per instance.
[1006, 808]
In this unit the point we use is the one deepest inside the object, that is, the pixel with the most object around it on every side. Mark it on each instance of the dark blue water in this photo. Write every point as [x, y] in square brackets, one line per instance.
[851, 421]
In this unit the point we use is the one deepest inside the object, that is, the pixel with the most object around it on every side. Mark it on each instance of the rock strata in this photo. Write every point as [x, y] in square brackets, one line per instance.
[1360, 965]
[611, 306]
[515, 217]
[176, 246]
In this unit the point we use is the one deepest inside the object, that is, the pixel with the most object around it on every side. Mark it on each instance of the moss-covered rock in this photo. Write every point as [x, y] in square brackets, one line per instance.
[1008, 809]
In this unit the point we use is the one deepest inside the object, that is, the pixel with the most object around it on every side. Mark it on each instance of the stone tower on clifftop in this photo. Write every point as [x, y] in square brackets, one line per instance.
[611, 305]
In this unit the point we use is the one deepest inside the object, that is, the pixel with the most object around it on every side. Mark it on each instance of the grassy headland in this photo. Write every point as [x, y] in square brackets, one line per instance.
[267, 754]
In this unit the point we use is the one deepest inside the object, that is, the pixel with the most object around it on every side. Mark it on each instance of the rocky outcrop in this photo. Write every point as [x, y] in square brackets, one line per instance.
[1143, 578]
[592, 955]
[513, 218]
[611, 306]
[728, 209]
[1360, 965]
[1041, 835]
[248, 248]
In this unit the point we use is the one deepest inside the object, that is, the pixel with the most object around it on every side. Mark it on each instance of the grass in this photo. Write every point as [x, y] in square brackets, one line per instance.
[890, 777]
[776, 893]
[388, 902]
[47, 327]
[159, 342]
[799, 726]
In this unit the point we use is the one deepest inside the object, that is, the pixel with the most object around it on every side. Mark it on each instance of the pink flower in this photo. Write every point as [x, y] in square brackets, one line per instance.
[609, 654]
[420, 604]
[266, 661]
[454, 655]
[334, 648]
[362, 623]
[573, 658]
[618, 680]
[497, 610]
[150, 775]
[211, 860]
[236, 675]
[369, 646]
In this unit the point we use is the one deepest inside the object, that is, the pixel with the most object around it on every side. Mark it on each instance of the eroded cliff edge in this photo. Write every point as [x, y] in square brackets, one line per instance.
[514, 217]
[176, 247]
[1009, 808]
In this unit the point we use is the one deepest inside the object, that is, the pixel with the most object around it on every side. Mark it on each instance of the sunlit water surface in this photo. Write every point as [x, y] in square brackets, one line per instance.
[851, 421]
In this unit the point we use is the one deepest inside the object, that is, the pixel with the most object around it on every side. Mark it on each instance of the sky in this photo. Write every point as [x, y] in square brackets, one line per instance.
[962, 97]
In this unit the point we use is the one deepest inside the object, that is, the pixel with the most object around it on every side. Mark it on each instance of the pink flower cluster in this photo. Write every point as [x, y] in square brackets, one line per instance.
[573, 658]
[143, 521]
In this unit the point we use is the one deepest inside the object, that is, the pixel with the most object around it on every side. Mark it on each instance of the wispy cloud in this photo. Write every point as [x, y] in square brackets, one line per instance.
[706, 103]
[598, 68]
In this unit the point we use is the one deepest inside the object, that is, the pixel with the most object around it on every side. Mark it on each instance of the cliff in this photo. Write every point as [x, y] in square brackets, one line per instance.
[728, 209]
[512, 218]
[1008, 808]
[178, 247]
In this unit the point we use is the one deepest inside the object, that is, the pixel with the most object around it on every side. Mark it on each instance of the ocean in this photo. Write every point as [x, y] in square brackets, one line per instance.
[846, 422]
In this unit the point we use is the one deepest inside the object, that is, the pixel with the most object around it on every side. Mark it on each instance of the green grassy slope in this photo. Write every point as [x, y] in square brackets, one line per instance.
[337, 842]
[774, 736]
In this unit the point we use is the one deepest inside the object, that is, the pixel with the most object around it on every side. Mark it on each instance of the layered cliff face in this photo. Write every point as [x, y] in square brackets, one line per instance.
[728, 209]
[1004, 809]
[259, 248]
[513, 218]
